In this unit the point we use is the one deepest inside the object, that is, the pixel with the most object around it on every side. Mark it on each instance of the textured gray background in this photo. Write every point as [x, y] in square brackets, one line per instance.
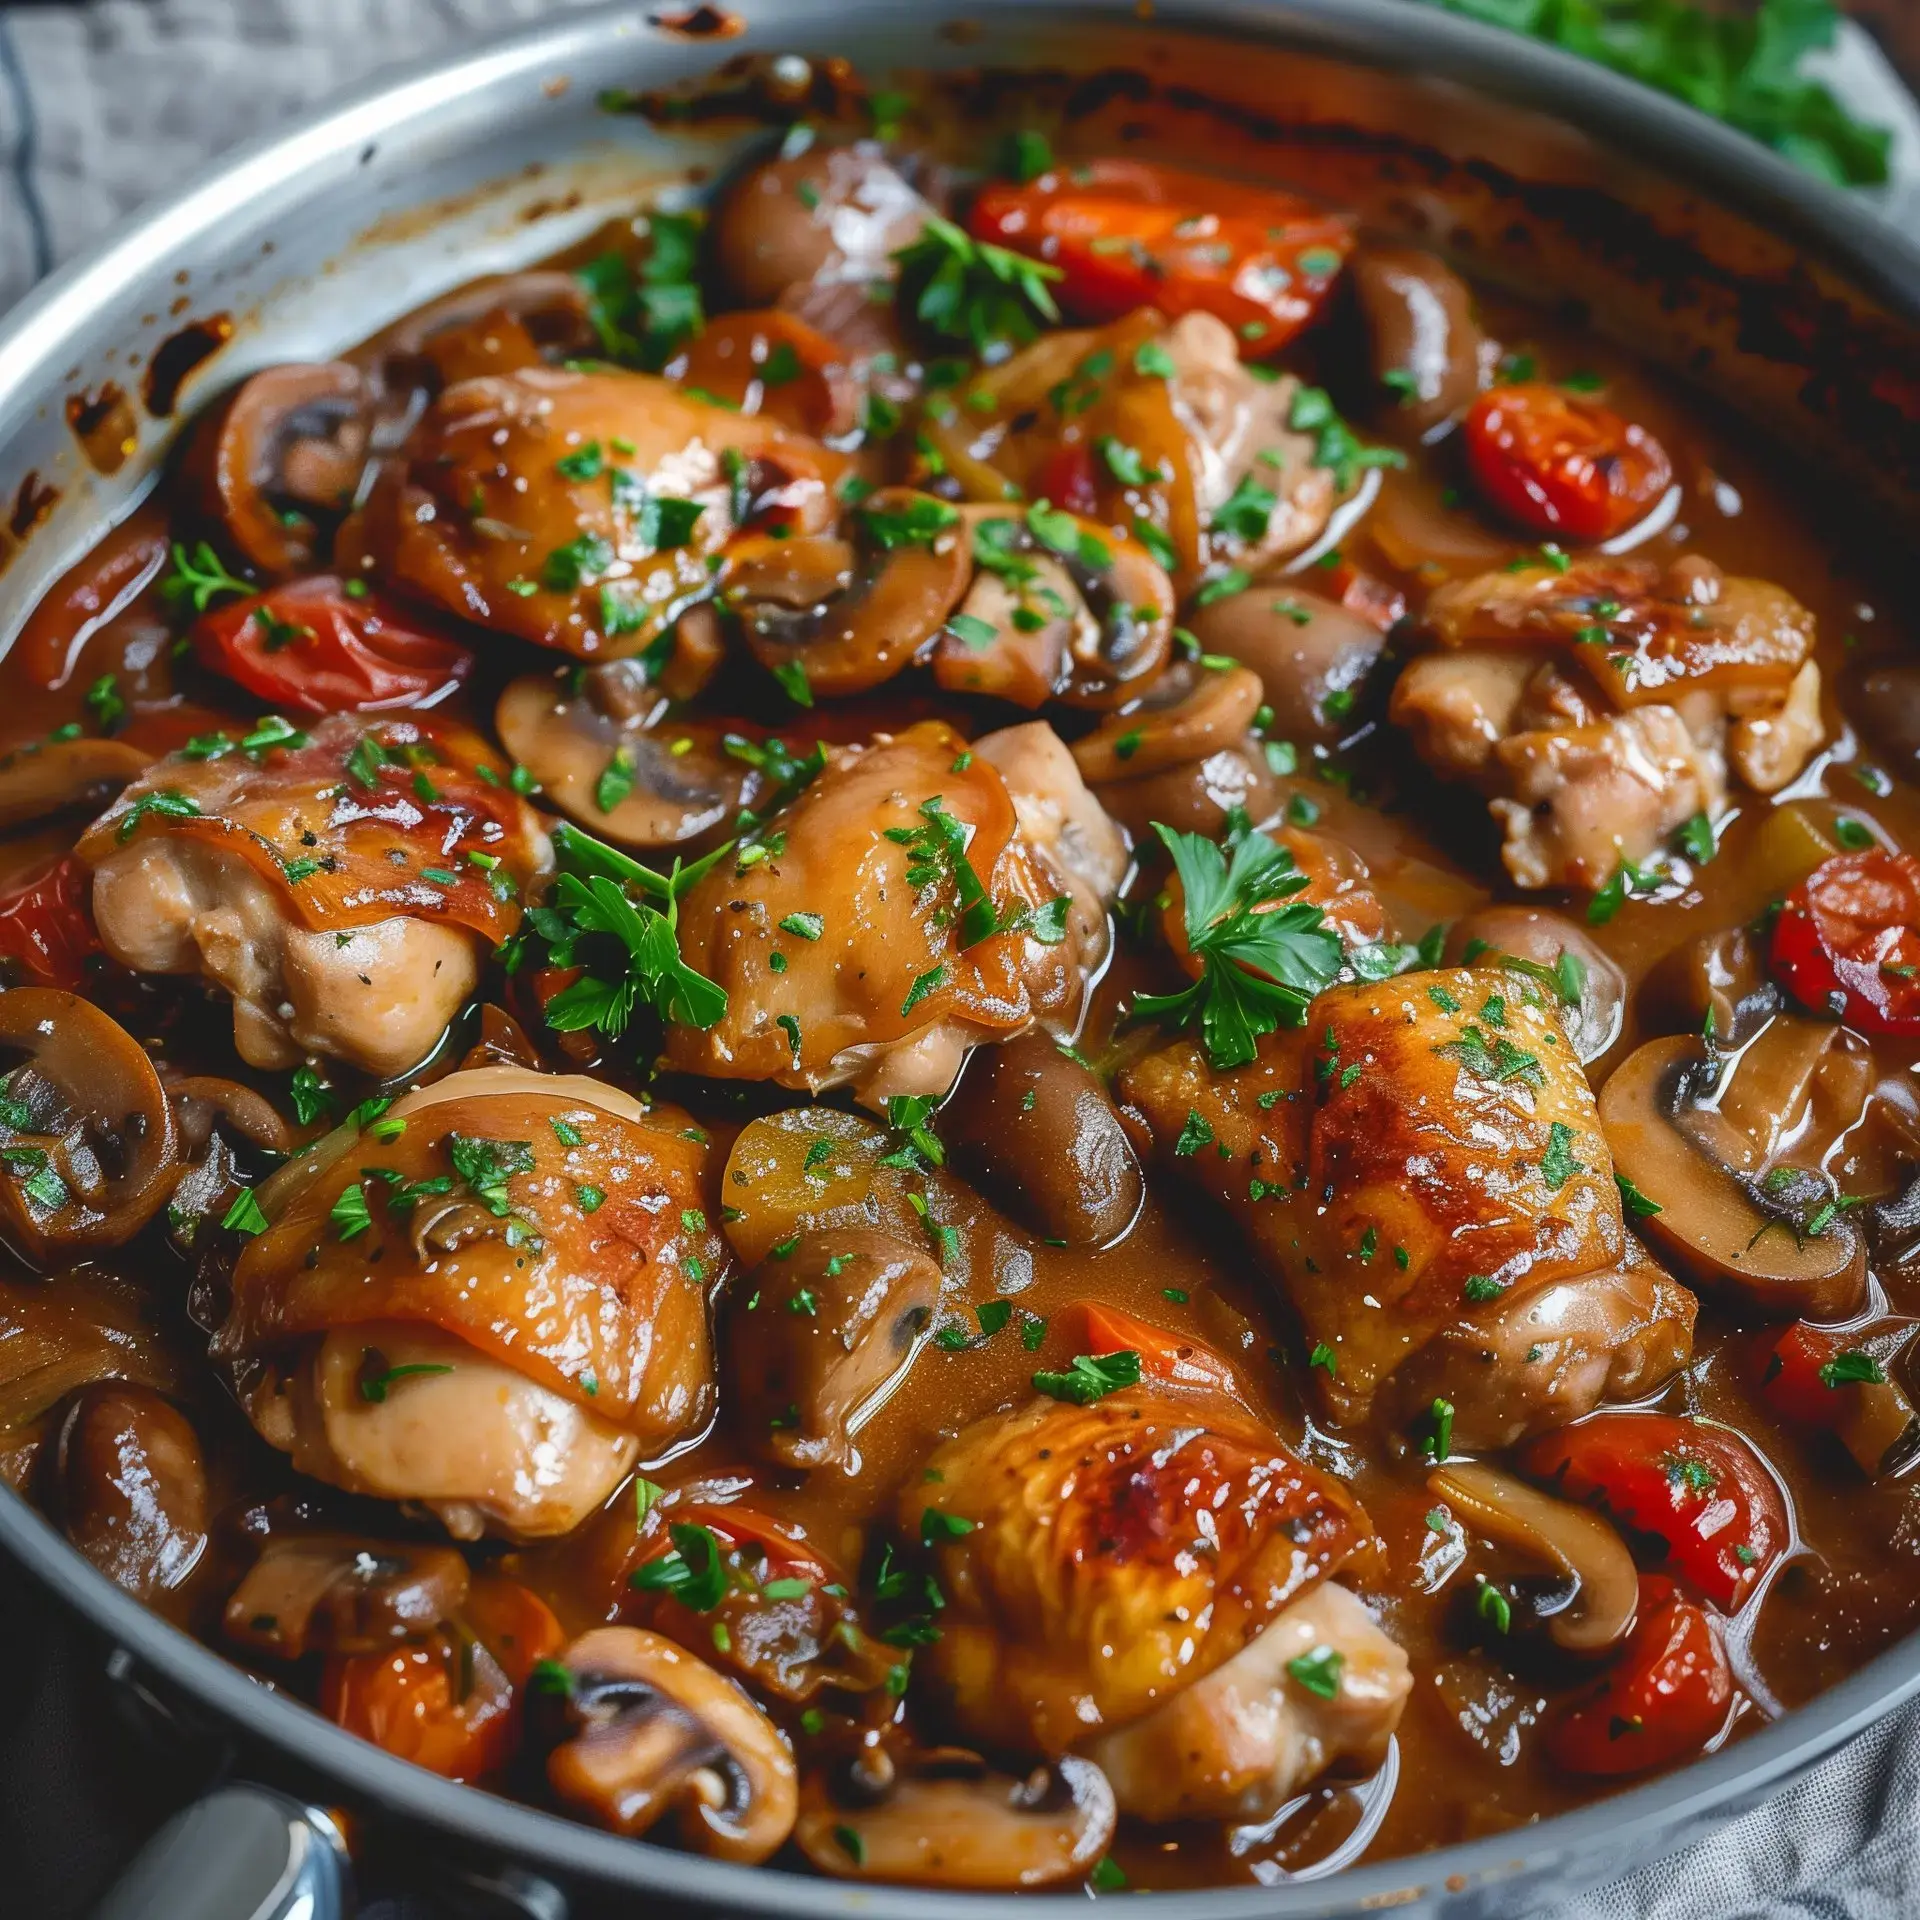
[104, 106]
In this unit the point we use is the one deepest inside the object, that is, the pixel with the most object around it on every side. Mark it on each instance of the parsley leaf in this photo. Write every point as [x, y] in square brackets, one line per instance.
[692, 1573]
[1262, 962]
[1091, 1377]
[1743, 67]
[966, 289]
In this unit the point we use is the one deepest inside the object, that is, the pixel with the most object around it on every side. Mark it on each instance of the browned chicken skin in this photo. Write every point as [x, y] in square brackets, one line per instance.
[1421, 1169]
[1601, 703]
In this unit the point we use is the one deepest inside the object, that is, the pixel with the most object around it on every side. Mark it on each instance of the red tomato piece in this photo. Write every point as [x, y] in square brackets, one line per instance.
[1561, 465]
[1847, 941]
[46, 925]
[1701, 1489]
[1664, 1698]
[312, 647]
[442, 1703]
[514, 1625]
[1834, 1382]
[1068, 481]
[1128, 234]
[1164, 1356]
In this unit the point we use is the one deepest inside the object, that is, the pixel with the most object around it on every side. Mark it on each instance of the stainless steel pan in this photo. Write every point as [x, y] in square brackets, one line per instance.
[1791, 301]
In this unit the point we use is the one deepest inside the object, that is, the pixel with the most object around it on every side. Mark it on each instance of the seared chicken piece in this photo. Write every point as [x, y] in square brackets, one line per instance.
[1239, 1744]
[1119, 1553]
[1207, 433]
[1544, 1359]
[1421, 1168]
[491, 1302]
[342, 887]
[582, 511]
[860, 952]
[1598, 707]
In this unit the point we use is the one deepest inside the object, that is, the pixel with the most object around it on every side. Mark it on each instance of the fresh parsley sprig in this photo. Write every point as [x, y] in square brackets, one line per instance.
[1743, 67]
[967, 289]
[1261, 962]
[628, 948]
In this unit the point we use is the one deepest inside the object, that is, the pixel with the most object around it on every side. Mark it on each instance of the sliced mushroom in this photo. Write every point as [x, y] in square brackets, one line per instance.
[88, 1149]
[1314, 657]
[1189, 713]
[944, 1818]
[619, 765]
[1040, 1136]
[1571, 1542]
[50, 776]
[201, 1099]
[125, 1482]
[1579, 981]
[819, 1336]
[1763, 1239]
[1427, 346]
[545, 309]
[280, 459]
[847, 616]
[1058, 609]
[657, 1734]
[334, 1593]
[1762, 1096]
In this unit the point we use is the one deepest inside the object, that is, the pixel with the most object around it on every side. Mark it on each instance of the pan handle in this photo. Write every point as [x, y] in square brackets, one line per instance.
[242, 1853]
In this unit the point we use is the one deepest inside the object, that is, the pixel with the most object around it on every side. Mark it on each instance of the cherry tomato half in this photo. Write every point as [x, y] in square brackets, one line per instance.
[1127, 234]
[1164, 1356]
[1833, 1382]
[1664, 1698]
[514, 1625]
[1847, 941]
[1701, 1489]
[1561, 465]
[312, 647]
[46, 925]
[444, 1703]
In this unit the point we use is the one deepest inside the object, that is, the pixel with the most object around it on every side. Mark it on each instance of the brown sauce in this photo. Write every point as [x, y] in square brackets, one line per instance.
[1470, 1755]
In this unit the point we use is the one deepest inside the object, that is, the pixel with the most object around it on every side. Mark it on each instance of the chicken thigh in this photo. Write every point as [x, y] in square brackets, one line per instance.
[342, 885]
[914, 902]
[1421, 1169]
[1145, 1580]
[490, 1299]
[1599, 703]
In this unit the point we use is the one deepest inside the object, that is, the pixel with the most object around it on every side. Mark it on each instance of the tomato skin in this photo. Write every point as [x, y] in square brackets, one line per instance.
[1128, 234]
[1846, 935]
[1792, 1385]
[1700, 1489]
[46, 925]
[514, 1625]
[1561, 465]
[350, 655]
[1800, 1381]
[1664, 1698]
[1164, 1356]
[1068, 481]
[407, 1701]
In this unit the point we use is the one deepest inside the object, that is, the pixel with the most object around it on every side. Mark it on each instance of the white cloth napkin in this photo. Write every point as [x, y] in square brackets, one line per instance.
[104, 106]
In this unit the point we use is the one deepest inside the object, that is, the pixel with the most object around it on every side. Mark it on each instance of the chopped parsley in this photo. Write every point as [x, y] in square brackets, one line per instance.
[1091, 1377]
